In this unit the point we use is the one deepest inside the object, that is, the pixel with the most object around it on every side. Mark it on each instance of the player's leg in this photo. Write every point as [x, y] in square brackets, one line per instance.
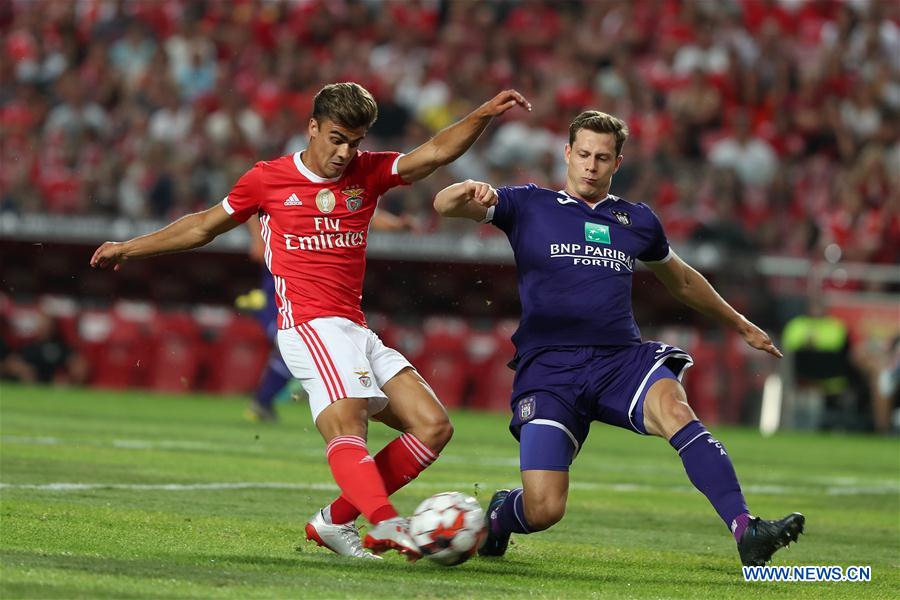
[546, 451]
[321, 354]
[414, 410]
[275, 376]
[276, 373]
[666, 414]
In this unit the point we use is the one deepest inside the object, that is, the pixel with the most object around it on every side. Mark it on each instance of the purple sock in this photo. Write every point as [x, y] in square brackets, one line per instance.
[509, 517]
[273, 380]
[710, 470]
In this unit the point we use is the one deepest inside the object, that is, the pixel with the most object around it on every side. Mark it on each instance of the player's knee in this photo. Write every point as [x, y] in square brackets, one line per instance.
[544, 513]
[345, 417]
[435, 432]
[676, 413]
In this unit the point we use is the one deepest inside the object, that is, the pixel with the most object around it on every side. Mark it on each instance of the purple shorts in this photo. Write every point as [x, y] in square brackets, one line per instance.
[565, 389]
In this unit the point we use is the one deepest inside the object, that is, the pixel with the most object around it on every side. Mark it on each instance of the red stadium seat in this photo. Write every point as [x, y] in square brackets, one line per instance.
[703, 385]
[235, 360]
[64, 311]
[117, 350]
[405, 339]
[177, 353]
[491, 378]
[448, 377]
[443, 363]
[24, 323]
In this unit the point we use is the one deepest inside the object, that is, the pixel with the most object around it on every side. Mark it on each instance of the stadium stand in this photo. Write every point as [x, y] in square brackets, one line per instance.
[759, 127]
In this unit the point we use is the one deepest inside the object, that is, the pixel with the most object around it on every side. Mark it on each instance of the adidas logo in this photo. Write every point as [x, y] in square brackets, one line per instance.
[366, 459]
[293, 200]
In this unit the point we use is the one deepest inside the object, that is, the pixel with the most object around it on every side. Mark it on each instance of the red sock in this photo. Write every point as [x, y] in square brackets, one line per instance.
[399, 462]
[356, 474]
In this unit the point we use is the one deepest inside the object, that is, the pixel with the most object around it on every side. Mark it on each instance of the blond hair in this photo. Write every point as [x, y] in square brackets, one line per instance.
[600, 122]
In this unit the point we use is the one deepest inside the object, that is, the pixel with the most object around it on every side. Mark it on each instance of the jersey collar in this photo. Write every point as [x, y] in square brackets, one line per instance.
[579, 200]
[304, 170]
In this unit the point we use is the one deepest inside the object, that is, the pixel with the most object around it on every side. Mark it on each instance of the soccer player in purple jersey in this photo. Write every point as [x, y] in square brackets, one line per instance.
[579, 354]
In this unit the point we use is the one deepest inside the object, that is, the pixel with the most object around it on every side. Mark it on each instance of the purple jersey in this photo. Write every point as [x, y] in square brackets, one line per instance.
[575, 265]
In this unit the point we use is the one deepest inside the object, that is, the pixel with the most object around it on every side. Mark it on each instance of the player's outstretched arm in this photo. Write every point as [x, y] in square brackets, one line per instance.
[467, 199]
[692, 288]
[191, 231]
[383, 220]
[452, 142]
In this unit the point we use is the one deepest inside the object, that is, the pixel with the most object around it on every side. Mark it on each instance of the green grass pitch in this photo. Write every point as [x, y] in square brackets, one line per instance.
[131, 495]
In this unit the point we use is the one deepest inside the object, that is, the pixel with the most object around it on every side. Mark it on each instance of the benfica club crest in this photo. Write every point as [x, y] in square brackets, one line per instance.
[623, 217]
[354, 197]
[364, 378]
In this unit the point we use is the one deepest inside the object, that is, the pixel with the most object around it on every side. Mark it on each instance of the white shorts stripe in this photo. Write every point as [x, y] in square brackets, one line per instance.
[363, 362]
[558, 425]
[332, 395]
[660, 362]
[314, 336]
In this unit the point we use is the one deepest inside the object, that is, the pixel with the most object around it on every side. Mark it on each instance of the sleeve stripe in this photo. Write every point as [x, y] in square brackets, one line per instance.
[490, 214]
[664, 259]
[228, 208]
[396, 166]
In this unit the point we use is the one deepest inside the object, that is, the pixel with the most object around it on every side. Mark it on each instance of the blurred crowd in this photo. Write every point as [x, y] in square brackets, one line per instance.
[763, 125]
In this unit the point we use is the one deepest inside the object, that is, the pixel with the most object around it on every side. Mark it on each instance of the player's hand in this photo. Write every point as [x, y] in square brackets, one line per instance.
[109, 253]
[481, 193]
[759, 339]
[504, 101]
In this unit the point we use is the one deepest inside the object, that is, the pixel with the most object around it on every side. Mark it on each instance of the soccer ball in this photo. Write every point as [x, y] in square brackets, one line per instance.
[448, 528]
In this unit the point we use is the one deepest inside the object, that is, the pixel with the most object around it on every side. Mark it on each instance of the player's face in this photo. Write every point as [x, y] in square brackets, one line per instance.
[332, 146]
[592, 161]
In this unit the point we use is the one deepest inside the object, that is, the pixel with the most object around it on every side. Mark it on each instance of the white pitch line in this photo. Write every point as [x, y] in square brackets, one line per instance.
[831, 486]
[441, 486]
[170, 487]
[128, 444]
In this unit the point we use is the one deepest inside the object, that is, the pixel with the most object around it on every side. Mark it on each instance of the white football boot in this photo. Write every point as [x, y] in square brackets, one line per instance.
[392, 534]
[340, 539]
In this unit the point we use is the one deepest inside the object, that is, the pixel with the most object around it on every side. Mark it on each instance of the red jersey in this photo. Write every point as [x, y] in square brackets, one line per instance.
[314, 230]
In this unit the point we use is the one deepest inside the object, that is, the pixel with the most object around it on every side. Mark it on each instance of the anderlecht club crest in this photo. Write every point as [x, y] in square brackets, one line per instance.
[623, 217]
[526, 408]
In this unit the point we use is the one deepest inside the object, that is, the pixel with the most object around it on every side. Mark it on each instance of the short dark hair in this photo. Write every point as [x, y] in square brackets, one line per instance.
[348, 104]
[600, 122]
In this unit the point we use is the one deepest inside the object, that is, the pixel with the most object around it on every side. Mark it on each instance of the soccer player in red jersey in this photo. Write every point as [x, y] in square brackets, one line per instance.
[314, 208]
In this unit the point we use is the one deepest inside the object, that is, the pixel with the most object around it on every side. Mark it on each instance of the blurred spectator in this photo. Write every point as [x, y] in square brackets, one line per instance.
[132, 53]
[46, 358]
[75, 113]
[136, 101]
[751, 157]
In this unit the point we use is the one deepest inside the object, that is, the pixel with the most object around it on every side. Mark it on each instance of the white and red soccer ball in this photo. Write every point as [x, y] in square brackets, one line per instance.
[448, 528]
